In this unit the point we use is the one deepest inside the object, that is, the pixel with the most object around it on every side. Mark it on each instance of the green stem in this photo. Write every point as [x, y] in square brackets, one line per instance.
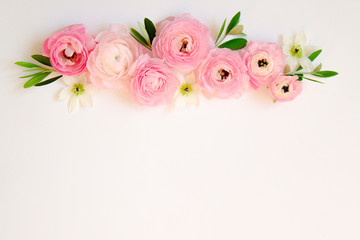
[220, 40]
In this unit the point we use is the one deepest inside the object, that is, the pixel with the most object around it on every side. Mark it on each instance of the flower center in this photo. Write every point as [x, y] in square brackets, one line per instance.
[69, 54]
[223, 75]
[285, 88]
[78, 89]
[184, 46]
[263, 63]
[296, 51]
[185, 89]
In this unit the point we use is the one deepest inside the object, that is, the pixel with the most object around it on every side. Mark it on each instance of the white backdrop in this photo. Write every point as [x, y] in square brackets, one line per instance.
[231, 169]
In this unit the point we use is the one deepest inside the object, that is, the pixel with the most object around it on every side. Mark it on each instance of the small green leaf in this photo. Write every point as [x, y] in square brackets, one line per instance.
[234, 21]
[313, 80]
[315, 54]
[318, 68]
[144, 32]
[42, 59]
[150, 28]
[36, 79]
[46, 82]
[221, 31]
[26, 64]
[237, 30]
[31, 75]
[138, 37]
[234, 44]
[325, 74]
[35, 69]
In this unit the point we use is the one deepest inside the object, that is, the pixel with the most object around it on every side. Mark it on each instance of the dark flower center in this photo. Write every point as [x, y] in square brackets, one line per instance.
[71, 58]
[263, 63]
[186, 89]
[285, 89]
[184, 46]
[223, 75]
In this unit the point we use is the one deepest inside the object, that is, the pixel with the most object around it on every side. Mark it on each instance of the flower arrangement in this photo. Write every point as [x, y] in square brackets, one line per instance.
[172, 62]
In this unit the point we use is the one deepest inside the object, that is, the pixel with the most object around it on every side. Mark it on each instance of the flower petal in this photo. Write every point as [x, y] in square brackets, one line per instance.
[306, 64]
[65, 94]
[300, 39]
[73, 103]
[86, 100]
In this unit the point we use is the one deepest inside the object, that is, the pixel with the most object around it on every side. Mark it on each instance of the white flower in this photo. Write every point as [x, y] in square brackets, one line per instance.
[187, 93]
[78, 92]
[297, 52]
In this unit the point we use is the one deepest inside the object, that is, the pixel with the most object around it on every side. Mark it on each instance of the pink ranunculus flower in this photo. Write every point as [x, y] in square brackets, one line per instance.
[222, 74]
[264, 62]
[183, 42]
[69, 49]
[110, 62]
[153, 82]
[285, 88]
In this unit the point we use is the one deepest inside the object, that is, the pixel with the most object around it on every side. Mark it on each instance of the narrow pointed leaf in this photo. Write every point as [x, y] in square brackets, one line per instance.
[236, 30]
[325, 74]
[234, 44]
[221, 31]
[46, 82]
[138, 37]
[150, 28]
[315, 54]
[36, 79]
[42, 59]
[26, 64]
[31, 75]
[35, 69]
[144, 33]
[145, 45]
[313, 80]
[234, 21]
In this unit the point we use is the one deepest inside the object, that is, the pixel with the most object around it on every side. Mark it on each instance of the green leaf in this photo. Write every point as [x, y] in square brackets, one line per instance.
[138, 37]
[150, 28]
[234, 21]
[26, 64]
[36, 79]
[313, 80]
[221, 31]
[144, 32]
[42, 59]
[234, 44]
[237, 30]
[31, 75]
[46, 82]
[325, 74]
[35, 69]
[315, 54]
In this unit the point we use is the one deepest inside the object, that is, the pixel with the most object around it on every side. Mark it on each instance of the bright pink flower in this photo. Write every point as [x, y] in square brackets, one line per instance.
[285, 88]
[153, 82]
[222, 74]
[183, 42]
[264, 61]
[110, 62]
[68, 49]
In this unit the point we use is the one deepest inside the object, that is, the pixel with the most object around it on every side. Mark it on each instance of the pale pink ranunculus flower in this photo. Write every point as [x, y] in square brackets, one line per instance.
[264, 62]
[183, 42]
[112, 58]
[69, 49]
[285, 88]
[222, 74]
[153, 82]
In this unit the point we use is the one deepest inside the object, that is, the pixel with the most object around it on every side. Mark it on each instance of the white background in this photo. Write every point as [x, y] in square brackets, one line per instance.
[231, 169]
